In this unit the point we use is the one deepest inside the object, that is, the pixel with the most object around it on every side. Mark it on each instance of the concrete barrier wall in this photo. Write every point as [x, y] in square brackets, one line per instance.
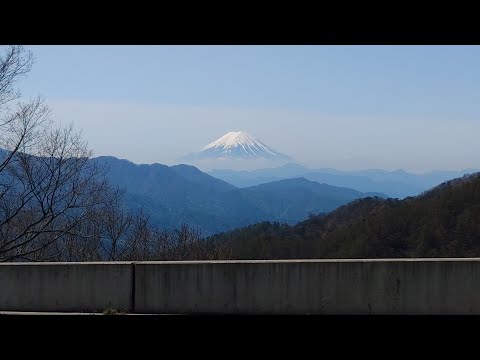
[406, 286]
[65, 286]
[311, 287]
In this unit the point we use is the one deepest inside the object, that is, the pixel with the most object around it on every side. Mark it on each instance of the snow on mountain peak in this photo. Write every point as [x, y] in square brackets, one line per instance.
[241, 139]
[237, 145]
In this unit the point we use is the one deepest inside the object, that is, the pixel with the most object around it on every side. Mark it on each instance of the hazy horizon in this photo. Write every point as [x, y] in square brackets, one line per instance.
[344, 107]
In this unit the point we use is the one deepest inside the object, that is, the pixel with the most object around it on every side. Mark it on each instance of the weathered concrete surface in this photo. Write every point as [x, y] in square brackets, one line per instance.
[71, 313]
[59, 287]
[389, 286]
[397, 286]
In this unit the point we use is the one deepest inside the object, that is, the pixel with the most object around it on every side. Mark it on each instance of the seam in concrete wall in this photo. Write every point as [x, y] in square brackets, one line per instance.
[132, 289]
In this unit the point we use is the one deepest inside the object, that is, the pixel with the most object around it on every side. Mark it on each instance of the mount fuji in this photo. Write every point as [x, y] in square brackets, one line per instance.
[236, 149]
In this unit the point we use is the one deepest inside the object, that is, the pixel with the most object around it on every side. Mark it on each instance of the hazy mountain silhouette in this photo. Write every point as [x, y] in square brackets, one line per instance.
[396, 184]
[183, 194]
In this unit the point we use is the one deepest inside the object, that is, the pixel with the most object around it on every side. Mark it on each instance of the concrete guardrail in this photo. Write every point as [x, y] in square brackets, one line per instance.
[360, 286]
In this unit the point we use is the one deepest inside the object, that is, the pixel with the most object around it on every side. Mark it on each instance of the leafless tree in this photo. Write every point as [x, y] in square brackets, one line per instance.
[162, 245]
[55, 203]
[115, 225]
[49, 194]
[187, 243]
[15, 62]
[20, 122]
[79, 245]
[139, 242]
[47, 185]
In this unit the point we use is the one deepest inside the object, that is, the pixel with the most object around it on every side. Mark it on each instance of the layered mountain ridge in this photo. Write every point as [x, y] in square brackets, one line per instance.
[396, 184]
[178, 194]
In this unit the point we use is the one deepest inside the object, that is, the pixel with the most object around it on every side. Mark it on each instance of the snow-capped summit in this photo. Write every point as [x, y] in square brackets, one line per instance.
[234, 146]
[238, 145]
[232, 139]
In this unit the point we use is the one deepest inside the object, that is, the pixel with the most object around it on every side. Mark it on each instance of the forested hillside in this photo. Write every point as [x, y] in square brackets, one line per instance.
[443, 222]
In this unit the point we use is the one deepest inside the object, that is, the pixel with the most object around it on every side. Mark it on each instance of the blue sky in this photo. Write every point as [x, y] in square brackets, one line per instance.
[349, 107]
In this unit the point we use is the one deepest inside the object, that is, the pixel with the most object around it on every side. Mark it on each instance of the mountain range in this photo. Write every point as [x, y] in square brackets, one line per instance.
[395, 184]
[178, 194]
[442, 222]
[173, 195]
